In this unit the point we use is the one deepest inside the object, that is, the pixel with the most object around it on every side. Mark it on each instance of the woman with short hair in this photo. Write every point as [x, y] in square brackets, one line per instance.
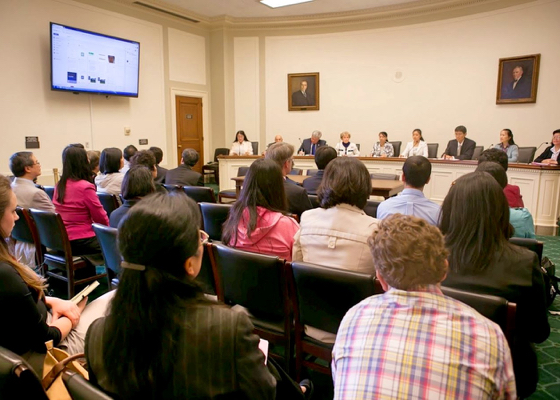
[110, 179]
[345, 147]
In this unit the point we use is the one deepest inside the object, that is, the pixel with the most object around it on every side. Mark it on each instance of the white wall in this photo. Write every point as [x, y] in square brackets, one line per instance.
[450, 70]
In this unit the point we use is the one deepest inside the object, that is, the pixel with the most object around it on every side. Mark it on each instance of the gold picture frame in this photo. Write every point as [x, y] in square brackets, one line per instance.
[303, 91]
[518, 79]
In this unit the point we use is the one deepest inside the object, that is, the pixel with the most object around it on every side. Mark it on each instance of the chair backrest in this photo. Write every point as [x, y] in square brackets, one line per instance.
[171, 188]
[17, 379]
[396, 148]
[50, 191]
[357, 145]
[200, 193]
[205, 276]
[242, 171]
[25, 230]
[531, 244]
[314, 289]
[432, 150]
[80, 388]
[388, 177]
[107, 237]
[296, 171]
[254, 281]
[255, 148]
[220, 151]
[213, 217]
[314, 200]
[311, 172]
[477, 152]
[526, 154]
[494, 308]
[51, 230]
[371, 208]
[109, 202]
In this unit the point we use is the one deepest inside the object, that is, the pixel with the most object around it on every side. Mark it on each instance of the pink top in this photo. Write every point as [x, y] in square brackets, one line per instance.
[274, 234]
[81, 208]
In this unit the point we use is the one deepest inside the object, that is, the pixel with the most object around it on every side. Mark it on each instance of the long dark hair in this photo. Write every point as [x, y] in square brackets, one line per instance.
[75, 166]
[475, 222]
[147, 313]
[110, 160]
[510, 136]
[244, 136]
[264, 187]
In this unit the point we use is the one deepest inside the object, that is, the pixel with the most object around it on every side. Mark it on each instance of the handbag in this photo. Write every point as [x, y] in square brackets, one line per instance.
[550, 280]
[56, 361]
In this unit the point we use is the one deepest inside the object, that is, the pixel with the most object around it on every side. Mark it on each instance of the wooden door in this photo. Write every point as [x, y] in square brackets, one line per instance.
[188, 111]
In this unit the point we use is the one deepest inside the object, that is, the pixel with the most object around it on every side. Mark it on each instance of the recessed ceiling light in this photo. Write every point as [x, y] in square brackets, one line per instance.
[282, 3]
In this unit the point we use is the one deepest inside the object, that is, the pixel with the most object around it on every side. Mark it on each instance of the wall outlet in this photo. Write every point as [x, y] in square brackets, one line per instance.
[86, 144]
[127, 131]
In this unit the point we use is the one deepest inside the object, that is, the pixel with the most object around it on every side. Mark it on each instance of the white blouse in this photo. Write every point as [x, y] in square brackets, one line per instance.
[241, 148]
[420, 150]
[350, 151]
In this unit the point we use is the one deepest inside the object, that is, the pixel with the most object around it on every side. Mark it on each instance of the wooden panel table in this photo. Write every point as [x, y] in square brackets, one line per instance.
[379, 187]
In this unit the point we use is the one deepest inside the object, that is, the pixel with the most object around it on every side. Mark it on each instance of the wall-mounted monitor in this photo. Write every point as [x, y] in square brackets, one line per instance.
[84, 61]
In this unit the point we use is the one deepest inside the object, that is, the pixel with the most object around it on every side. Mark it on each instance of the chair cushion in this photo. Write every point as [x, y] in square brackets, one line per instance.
[59, 258]
[271, 325]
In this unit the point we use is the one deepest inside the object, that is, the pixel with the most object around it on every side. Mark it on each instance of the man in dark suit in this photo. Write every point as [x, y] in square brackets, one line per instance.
[461, 148]
[158, 154]
[282, 153]
[302, 97]
[183, 175]
[323, 157]
[519, 87]
[310, 146]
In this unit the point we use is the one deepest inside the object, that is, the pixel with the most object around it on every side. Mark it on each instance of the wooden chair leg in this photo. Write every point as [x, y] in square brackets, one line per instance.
[71, 284]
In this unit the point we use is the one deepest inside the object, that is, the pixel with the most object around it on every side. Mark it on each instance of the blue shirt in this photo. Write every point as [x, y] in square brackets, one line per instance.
[410, 202]
[522, 222]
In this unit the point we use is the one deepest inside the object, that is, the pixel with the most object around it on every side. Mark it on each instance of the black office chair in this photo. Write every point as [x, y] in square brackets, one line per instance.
[171, 188]
[526, 155]
[109, 202]
[311, 172]
[25, 231]
[312, 288]
[396, 148]
[371, 208]
[255, 148]
[314, 200]
[213, 217]
[107, 238]
[432, 150]
[200, 193]
[80, 388]
[388, 177]
[49, 190]
[213, 167]
[530, 244]
[477, 152]
[230, 193]
[17, 378]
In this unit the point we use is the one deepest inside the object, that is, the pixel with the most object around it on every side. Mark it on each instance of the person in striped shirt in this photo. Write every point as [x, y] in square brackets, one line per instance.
[412, 342]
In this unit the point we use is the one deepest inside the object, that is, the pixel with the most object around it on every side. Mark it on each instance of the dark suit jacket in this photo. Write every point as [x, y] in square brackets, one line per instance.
[298, 202]
[467, 149]
[522, 89]
[312, 183]
[545, 155]
[217, 357]
[298, 99]
[160, 178]
[183, 175]
[120, 212]
[516, 277]
[306, 145]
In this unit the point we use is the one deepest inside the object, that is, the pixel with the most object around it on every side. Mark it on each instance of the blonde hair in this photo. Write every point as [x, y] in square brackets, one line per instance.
[345, 134]
[30, 278]
[408, 252]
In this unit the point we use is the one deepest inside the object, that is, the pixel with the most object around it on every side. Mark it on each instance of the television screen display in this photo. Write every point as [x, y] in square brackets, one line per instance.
[83, 61]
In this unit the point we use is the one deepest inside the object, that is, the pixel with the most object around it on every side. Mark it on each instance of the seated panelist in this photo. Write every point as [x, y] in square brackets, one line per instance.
[460, 148]
[310, 146]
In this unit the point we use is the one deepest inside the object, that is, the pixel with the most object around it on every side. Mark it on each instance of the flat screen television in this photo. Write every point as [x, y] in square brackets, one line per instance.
[84, 61]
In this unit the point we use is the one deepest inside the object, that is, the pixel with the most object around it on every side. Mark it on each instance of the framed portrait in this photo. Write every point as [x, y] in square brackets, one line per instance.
[518, 78]
[303, 91]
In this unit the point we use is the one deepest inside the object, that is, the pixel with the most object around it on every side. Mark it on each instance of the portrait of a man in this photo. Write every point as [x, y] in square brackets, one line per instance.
[517, 79]
[303, 91]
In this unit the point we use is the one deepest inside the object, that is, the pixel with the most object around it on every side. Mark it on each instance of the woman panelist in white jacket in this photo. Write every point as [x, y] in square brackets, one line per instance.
[345, 147]
[241, 145]
[417, 147]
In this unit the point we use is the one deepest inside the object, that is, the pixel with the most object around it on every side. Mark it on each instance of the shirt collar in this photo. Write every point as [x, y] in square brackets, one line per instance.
[23, 181]
[412, 192]
[435, 289]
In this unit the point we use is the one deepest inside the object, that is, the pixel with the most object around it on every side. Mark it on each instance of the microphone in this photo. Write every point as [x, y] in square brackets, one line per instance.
[541, 145]
[491, 146]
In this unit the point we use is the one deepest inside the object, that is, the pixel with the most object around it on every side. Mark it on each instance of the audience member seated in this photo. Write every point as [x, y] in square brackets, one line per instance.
[520, 218]
[26, 169]
[460, 148]
[550, 155]
[417, 147]
[137, 183]
[323, 156]
[257, 221]
[158, 154]
[128, 152]
[335, 235]
[147, 159]
[412, 342]
[382, 148]
[309, 146]
[507, 145]
[298, 200]
[93, 157]
[411, 201]
[110, 179]
[277, 139]
[31, 318]
[77, 203]
[193, 347]
[475, 222]
[241, 145]
[184, 175]
[345, 147]
[512, 192]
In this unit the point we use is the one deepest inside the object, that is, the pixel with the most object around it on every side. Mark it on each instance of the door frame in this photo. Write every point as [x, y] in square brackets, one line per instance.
[206, 128]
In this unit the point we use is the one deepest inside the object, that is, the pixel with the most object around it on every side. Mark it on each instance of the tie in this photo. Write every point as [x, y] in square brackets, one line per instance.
[459, 149]
[304, 94]
[313, 150]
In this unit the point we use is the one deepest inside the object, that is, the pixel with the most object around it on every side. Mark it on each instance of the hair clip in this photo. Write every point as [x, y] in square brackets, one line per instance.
[137, 267]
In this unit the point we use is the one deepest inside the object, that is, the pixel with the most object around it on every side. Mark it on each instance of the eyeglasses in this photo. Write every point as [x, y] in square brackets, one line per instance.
[204, 237]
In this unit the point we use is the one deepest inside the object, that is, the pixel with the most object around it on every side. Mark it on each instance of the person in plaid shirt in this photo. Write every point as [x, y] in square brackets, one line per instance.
[412, 342]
